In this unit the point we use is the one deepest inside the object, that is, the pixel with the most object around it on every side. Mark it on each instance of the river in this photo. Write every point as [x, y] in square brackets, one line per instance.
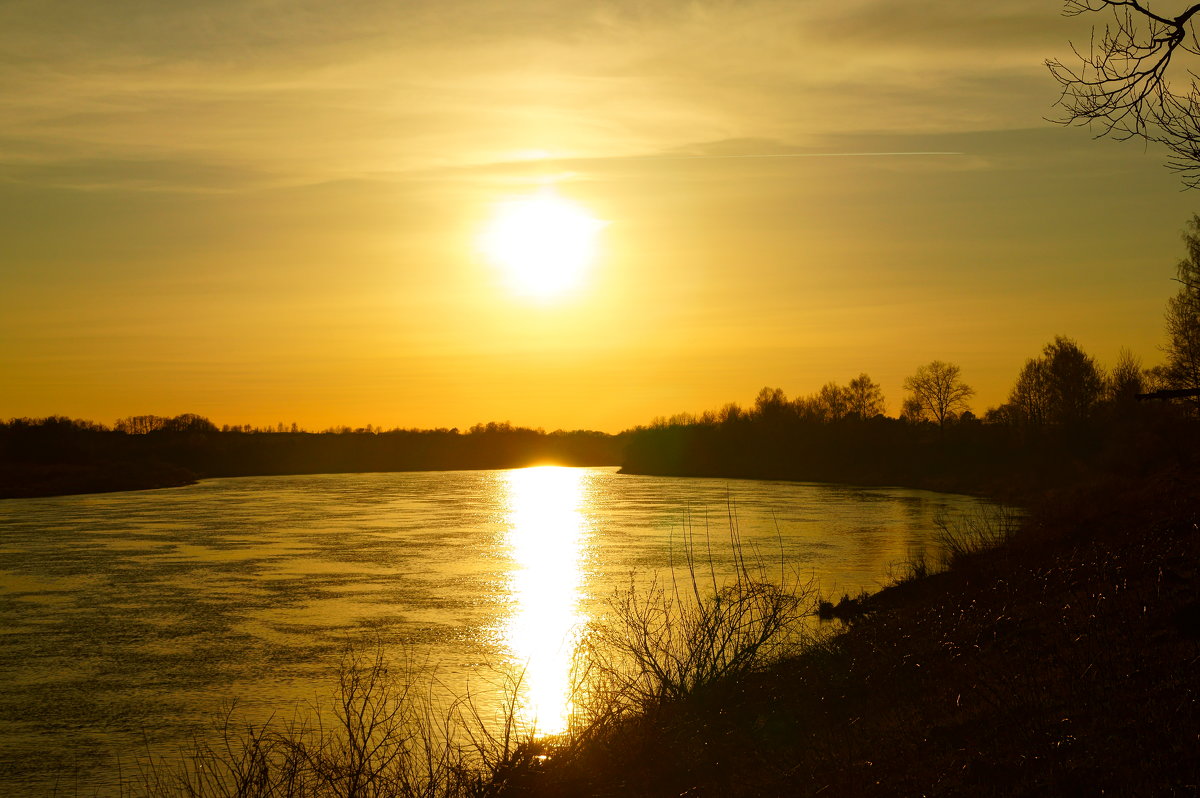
[128, 621]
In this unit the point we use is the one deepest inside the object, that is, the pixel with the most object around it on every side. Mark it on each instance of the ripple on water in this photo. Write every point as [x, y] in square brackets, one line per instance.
[130, 620]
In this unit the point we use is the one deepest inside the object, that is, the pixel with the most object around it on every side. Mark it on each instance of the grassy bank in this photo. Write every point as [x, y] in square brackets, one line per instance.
[1063, 661]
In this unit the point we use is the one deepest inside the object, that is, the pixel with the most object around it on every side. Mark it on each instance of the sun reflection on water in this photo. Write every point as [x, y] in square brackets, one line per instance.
[547, 537]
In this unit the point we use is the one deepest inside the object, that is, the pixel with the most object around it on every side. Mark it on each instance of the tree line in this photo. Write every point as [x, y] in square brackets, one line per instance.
[1064, 412]
[61, 455]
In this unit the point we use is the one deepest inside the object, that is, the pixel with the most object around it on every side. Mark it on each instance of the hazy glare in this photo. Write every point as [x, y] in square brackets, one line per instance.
[264, 211]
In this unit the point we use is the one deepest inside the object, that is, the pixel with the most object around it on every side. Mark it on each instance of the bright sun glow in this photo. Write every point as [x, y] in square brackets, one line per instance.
[543, 243]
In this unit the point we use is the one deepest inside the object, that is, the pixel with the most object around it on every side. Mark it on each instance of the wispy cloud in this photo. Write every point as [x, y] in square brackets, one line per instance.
[320, 90]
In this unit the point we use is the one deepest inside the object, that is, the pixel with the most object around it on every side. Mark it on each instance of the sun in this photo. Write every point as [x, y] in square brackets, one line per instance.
[543, 244]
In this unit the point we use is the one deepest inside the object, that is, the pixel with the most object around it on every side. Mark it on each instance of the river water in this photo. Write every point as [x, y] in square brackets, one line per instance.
[129, 621]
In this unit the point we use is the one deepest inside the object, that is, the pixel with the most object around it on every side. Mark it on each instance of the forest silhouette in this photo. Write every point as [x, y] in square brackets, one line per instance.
[57, 455]
[1066, 416]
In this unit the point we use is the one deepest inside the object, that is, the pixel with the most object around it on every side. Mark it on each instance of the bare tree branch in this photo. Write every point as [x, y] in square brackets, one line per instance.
[1119, 83]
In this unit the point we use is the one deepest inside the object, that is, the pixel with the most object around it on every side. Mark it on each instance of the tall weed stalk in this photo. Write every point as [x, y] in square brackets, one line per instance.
[985, 528]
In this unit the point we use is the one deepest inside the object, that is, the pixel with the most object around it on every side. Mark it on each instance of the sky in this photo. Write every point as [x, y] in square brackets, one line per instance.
[269, 212]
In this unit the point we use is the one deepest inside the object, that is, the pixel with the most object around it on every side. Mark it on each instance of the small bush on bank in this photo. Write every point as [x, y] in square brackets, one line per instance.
[666, 645]
[682, 636]
[847, 609]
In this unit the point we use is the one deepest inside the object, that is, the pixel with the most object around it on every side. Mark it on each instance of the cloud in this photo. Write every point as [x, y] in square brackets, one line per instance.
[134, 174]
[320, 90]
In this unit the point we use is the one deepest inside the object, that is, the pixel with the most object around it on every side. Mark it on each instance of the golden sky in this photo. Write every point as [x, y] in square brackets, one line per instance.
[270, 211]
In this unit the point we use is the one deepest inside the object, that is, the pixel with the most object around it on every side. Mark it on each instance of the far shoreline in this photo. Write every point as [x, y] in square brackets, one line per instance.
[88, 487]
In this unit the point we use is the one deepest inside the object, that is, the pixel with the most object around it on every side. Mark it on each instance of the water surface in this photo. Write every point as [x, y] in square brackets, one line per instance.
[128, 620]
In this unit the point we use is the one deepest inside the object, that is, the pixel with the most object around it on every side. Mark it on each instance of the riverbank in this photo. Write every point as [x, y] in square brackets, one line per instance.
[1063, 662]
[25, 481]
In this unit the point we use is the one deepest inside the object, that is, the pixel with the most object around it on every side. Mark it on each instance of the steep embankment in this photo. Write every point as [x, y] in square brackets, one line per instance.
[1063, 663]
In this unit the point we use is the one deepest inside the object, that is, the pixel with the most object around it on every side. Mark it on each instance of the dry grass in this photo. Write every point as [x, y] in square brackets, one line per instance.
[962, 535]
[378, 736]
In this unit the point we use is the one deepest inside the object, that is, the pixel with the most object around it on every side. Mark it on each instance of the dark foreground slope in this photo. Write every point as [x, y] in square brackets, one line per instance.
[1067, 662]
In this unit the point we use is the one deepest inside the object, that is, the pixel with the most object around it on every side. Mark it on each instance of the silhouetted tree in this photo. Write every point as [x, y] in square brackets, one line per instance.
[1126, 380]
[1156, 378]
[140, 425]
[731, 413]
[809, 408]
[188, 422]
[833, 402]
[865, 398]
[1063, 386]
[937, 392]
[910, 410]
[1005, 415]
[1120, 86]
[862, 398]
[771, 405]
[1076, 382]
[1029, 401]
[1183, 316]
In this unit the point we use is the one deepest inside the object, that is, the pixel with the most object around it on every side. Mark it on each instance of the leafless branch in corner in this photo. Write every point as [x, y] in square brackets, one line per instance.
[1119, 83]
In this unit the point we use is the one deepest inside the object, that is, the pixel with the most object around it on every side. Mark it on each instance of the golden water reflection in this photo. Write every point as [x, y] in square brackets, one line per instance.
[547, 538]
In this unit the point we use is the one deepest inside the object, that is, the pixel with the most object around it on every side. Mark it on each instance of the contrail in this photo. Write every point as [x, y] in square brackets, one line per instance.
[785, 155]
[600, 159]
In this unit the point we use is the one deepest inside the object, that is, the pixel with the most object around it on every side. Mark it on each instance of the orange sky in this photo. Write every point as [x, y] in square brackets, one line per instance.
[263, 211]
